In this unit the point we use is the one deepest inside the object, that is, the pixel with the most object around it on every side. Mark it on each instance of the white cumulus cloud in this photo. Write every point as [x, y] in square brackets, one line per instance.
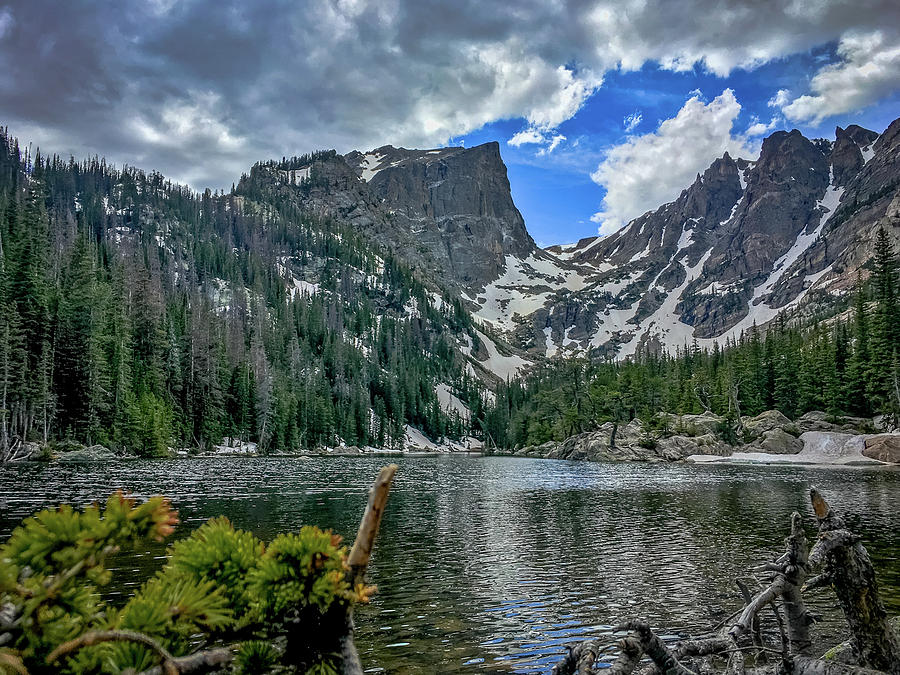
[760, 128]
[868, 70]
[532, 136]
[652, 169]
[527, 137]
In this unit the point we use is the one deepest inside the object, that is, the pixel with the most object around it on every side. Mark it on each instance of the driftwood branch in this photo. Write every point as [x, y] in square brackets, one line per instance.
[804, 665]
[359, 557]
[874, 644]
[852, 577]
[368, 527]
[790, 573]
[580, 660]
[630, 655]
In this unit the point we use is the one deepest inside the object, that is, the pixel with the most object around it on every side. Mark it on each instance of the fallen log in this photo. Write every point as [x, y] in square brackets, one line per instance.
[851, 575]
[739, 649]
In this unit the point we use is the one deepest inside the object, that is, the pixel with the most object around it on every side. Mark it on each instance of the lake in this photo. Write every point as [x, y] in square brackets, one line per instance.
[492, 564]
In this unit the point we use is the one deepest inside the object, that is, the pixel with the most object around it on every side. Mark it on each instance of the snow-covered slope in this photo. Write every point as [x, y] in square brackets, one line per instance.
[746, 242]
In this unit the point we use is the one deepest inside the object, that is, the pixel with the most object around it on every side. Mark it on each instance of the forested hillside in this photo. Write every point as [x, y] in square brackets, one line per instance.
[290, 314]
[142, 316]
[845, 365]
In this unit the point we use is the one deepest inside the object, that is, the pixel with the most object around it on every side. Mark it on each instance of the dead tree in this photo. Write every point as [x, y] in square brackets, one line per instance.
[848, 570]
[737, 648]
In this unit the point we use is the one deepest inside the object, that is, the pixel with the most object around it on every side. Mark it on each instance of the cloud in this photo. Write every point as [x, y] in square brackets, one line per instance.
[361, 73]
[781, 98]
[527, 137]
[632, 121]
[554, 143]
[649, 170]
[6, 21]
[532, 136]
[868, 70]
[758, 128]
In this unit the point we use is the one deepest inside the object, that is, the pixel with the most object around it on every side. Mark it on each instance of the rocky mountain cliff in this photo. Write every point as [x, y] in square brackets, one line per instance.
[745, 242]
[748, 240]
[447, 210]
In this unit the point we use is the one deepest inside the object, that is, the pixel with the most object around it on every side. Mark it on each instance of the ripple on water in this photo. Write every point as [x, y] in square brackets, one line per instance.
[497, 564]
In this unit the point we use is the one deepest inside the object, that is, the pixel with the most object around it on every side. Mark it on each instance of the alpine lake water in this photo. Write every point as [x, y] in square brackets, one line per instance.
[490, 564]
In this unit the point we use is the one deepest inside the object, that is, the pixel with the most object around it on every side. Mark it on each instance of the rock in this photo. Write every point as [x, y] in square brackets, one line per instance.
[94, 453]
[819, 447]
[28, 452]
[767, 421]
[456, 200]
[815, 420]
[779, 442]
[885, 422]
[705, 423]
[883, 447]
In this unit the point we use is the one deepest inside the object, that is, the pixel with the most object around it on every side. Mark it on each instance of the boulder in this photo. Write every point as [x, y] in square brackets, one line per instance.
[779, 442]
[705, 423]
[815, 420]
[883, 447]
[767, 421]
[94, 453]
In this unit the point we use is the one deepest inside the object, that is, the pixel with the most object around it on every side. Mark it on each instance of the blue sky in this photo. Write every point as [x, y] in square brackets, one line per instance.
[201, 89]
[554, 191]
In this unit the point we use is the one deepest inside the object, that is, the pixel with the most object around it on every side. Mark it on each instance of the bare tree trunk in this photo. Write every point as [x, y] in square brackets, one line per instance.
[852, 577]
[790, 571]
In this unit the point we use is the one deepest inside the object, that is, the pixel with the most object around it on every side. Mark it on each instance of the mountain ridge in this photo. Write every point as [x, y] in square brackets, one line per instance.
[746, 241]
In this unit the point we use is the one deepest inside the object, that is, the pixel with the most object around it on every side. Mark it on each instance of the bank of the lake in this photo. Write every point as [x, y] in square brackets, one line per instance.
[494, 564]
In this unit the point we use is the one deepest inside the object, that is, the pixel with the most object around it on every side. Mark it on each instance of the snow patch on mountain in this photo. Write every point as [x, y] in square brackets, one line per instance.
[370, 165]
[450, 403]
[523, 288]
[665, 324]
[504, 367]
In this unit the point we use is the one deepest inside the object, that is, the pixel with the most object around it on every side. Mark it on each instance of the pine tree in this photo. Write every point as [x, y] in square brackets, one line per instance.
[885, 331]
[858, 365]
[76, 370]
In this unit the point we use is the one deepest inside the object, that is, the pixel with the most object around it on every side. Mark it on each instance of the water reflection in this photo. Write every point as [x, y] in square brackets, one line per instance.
[495, 564]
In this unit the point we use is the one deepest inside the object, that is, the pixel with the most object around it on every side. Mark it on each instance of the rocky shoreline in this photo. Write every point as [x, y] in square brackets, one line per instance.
[770, 437]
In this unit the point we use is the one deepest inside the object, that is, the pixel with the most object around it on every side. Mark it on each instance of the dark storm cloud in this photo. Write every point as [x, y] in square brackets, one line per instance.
[201, 89]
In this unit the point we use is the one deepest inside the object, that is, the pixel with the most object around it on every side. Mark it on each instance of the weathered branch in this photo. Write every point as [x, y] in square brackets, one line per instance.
[580, 660]
[707, 647]
[754, 624]
[655, 648]
[755, 606]
[789, 579]
[804, 665]
[368, 527]
[194, 662]
[795, 612]
[359, 557]
[829, 542]
[819, 581]
[853, 579]
[630, 655]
